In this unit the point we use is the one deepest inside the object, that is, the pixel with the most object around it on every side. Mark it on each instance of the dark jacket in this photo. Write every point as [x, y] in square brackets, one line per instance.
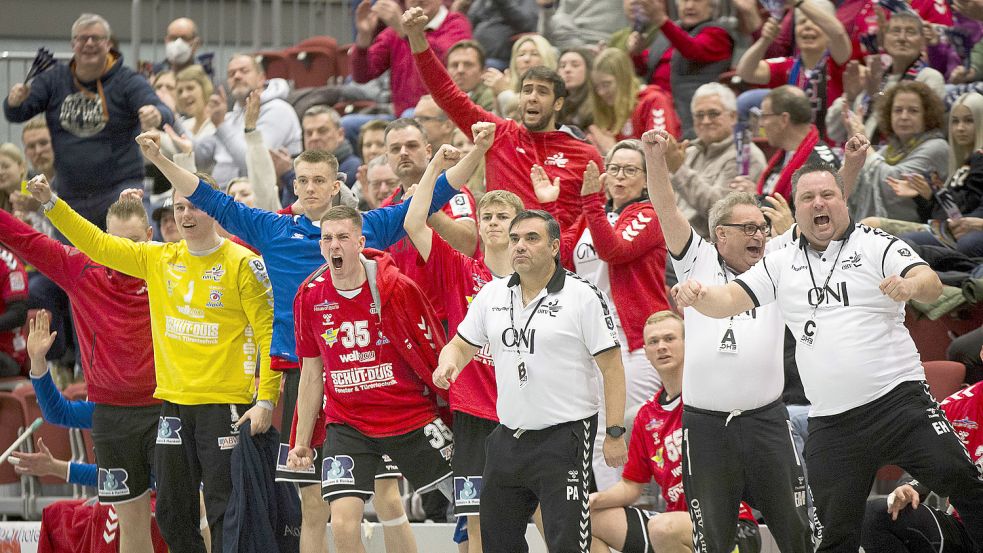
[495, 22]
[263, 516]
[92, 155]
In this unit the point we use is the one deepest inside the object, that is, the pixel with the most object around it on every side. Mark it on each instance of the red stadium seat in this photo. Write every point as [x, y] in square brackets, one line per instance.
[314, 62]
[11, 426]
[276, 63]
[56, 438]
[944, 377]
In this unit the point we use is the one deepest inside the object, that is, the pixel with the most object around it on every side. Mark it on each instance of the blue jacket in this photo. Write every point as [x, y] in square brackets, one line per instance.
[71, 414]
[92, 155]
[263, 516]
[290, 245]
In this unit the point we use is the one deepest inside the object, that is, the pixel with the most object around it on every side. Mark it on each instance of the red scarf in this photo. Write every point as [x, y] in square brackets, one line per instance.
[784, 184]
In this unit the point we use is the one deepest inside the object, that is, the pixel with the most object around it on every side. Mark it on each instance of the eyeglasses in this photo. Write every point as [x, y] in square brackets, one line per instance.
[629, 170]
[711, 115]
[428, 118]
[750, 228]
[96, 39]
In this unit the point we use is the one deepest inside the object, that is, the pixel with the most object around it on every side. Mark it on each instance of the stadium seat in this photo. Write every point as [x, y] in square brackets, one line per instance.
[944, 377]
[276, 63]
[314, 62]
[14, 500]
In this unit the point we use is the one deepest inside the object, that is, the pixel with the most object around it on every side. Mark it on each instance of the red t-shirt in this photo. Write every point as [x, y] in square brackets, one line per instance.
[369, 387]
[13, 287]
[781, 74]
[460, 277]
[461, 206]
[656, 451]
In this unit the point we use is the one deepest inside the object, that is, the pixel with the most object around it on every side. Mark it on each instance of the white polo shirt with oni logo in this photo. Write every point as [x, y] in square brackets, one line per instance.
[543, 351]
[733, 363]
[852, 344]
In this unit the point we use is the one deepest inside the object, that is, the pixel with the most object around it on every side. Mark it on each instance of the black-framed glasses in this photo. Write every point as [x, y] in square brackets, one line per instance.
[96, 39]
[429, 118]
[750, 229]
[629, 170]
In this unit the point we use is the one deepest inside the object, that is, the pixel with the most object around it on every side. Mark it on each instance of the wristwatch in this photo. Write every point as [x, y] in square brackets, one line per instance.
[615, 431]
[48, 205]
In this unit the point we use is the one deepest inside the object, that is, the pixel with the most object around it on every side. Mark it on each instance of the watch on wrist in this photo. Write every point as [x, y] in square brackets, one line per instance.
[615, 431]
[48, 205]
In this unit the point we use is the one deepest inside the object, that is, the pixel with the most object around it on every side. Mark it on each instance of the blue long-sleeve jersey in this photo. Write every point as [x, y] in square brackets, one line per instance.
[290, 246]
[71, 414]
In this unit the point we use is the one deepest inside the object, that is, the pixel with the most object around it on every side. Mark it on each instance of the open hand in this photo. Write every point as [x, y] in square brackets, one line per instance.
[546, 191]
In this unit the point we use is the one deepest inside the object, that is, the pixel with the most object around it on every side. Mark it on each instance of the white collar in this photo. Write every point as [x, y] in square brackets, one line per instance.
[438, 19]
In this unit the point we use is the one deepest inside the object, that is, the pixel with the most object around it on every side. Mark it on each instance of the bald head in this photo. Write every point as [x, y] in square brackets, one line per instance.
[182, 27]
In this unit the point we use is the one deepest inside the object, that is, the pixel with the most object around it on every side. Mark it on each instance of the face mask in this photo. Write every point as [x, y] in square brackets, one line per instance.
[177, 51]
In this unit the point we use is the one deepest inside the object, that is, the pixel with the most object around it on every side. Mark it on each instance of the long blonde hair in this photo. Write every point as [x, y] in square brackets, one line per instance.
[615, 62]
[959, 154]
[546, 52]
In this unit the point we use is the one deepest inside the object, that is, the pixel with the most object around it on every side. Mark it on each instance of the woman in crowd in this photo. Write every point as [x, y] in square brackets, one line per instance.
[13, 171]
[528, 51]
[574, 68]
[915, 145]
[964, 188]
[823, 50]
[622, 107]
[618, 246]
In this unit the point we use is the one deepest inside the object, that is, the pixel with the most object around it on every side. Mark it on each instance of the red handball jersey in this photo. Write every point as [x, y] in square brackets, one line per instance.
[655, 451]
[964, 409]
[369, 386]
[460, 277]
[13, 287]
[461, 206]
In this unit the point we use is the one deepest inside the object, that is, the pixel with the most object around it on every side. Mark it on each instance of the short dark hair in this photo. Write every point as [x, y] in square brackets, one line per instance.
[816, 167]
[552, 227]
[373, 125]
[933, 111]
[796, 105]
[467, 44]
[343, 213]
[405, 122]
[543, 73]
[318, 156]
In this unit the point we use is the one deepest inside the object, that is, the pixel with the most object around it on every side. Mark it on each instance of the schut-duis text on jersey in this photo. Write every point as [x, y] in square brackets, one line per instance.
[656, 451]
[852, 346]
[211, 312]
[368, 384]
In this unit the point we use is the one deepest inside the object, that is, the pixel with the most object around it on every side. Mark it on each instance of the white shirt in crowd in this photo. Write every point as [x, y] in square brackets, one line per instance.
[852, 345]
[543, 351]
[734, 363]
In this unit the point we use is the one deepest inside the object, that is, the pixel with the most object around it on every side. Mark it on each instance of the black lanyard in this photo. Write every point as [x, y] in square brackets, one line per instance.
[821, 291]
[528, 322]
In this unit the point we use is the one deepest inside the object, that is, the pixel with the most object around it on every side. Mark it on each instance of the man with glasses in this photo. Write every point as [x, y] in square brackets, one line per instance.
[702, 172]
[439, 128]
[786, 117]
[95, 106]
[736, 438]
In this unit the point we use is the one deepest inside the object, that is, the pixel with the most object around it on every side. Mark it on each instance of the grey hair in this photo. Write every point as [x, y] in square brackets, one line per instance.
[911, 16]
[722, 209]
[817, 167]
[632, 144]
[377, 161]
[87, 19]
[322, 109]
[725, 94]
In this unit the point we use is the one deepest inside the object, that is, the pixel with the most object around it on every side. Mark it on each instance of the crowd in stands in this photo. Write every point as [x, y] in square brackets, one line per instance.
[485, 108]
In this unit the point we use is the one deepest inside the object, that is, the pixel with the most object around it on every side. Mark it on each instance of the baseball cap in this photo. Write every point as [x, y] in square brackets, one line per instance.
[168, 205]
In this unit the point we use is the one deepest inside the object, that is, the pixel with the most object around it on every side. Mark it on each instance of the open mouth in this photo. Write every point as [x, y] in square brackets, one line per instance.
[532, 112]
[820, 220]
[336, 262]
[755, 250]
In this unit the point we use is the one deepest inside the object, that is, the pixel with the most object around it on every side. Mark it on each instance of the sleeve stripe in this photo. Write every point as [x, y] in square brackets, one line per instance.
[685, 249]
[749, 292]
[465, 338]
[764, 263]
[616, 345]
[912, 266]
[884, 257]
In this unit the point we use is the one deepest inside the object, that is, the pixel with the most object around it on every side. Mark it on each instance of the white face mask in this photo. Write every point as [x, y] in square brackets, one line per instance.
[177, 51]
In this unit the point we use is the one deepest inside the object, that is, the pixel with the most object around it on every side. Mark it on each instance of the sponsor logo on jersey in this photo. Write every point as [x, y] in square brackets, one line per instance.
[169, 431]
[467, 490]
[557, 159]
[460, 207]
[193, 312]
[215, 273]
[852, 261]
[363, 378]
[112, 482]
[227, 442]
[904, 252]
[966, 423]
[654, 424]
[215, 298]
[326, 306]
[659, 458]
[337, 471]
[330, 336]
[327, 319]
[551, 308]
[17, 283]
[191, 331]
[358, 357]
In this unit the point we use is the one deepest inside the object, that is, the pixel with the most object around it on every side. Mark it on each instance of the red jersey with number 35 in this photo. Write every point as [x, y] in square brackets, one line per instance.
[656, 451]
[368, 384]
[13, 287]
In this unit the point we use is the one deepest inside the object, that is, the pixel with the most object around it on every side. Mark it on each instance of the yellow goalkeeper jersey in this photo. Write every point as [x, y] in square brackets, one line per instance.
[211, 313]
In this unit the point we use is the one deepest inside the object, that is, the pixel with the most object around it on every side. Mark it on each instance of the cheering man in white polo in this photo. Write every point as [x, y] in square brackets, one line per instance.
[841, 290]
[545, 326]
